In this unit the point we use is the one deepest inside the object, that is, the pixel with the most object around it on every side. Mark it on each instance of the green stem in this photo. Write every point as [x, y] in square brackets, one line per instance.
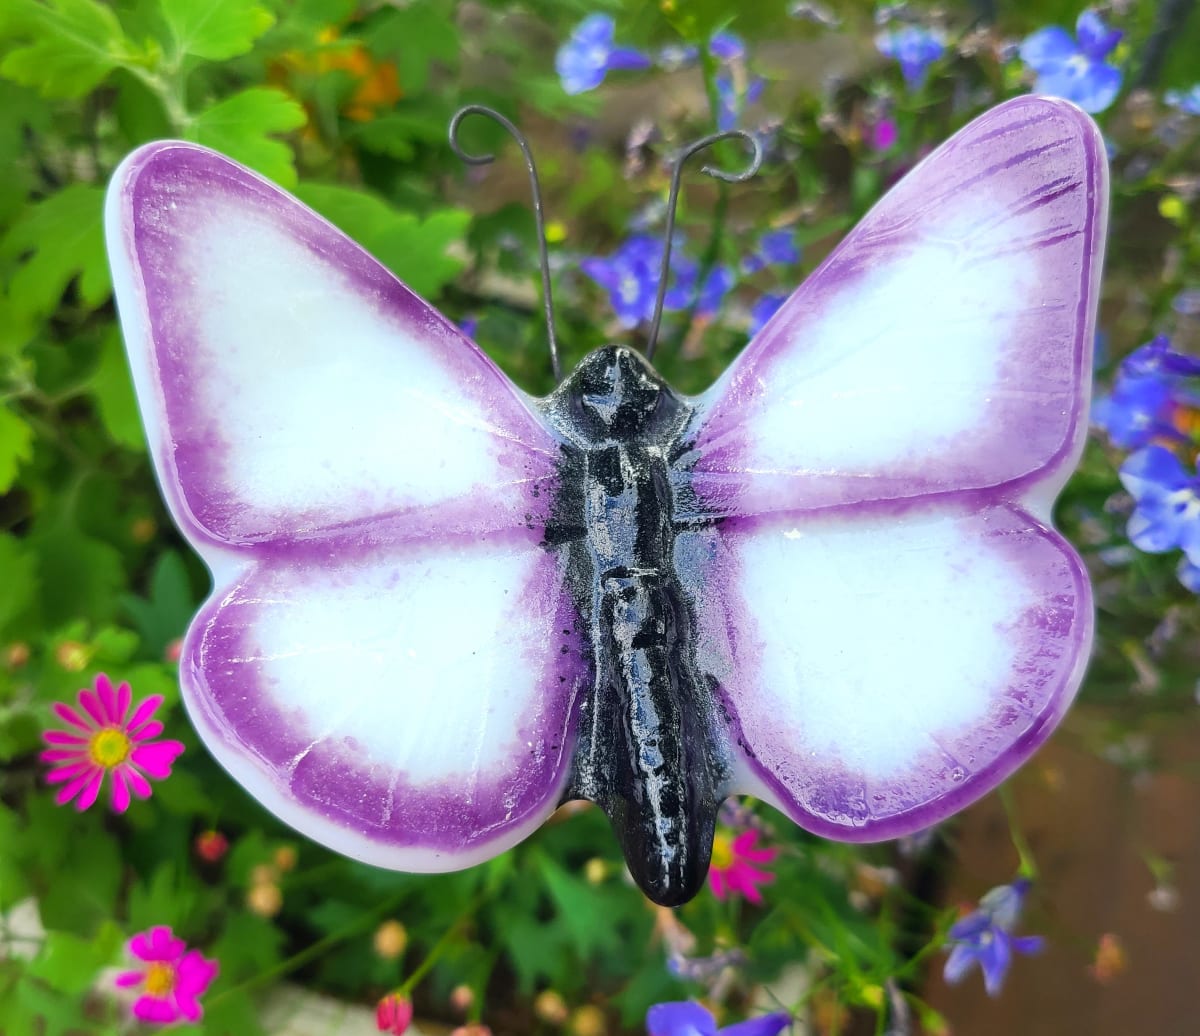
[1028, 866]
[314, 951]
[439, 947]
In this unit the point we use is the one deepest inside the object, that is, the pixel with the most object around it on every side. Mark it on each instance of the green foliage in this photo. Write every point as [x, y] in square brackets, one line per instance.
[347, 104]
[217, 30]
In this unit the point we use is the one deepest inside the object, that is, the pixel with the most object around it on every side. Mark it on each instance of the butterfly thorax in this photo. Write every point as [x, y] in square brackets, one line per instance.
[646, 753]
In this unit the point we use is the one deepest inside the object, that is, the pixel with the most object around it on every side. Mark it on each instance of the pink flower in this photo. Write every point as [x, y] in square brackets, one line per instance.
[730, 869]
[394, 1014]
[102, 740]
[173, 979]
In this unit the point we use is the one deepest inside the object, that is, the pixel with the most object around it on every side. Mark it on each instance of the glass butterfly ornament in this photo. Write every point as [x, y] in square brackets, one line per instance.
[442, 607]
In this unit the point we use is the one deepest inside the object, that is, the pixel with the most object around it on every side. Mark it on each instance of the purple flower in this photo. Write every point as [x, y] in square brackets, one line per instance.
[630, 275]
[1185, 100]
[1075, 69]
[915, 48]
[763, 310]
[1167, 514]
[686, 1018]
[775, 247]
[589, 55]
[984, 937]
[733, 96]
[725, 46]
[1148, 396]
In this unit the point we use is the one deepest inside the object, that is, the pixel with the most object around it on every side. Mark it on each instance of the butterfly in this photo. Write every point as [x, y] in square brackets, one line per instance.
[442, 607]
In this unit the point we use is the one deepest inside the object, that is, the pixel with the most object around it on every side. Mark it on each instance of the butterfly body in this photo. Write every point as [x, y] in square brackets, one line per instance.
[440, 606]
[648, 751]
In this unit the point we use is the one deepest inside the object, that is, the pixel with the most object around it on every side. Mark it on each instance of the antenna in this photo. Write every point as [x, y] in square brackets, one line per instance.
[538, 211]
[673, 204]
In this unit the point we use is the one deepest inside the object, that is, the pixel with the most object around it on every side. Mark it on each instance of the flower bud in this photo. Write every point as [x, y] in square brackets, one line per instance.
[285, 858]
[264, 899]
[391, 938]
[211, 846]
[16, 655]
[588, 1020]
[461, 999]
[394, 1014]
[550, 1007]
[72, 656]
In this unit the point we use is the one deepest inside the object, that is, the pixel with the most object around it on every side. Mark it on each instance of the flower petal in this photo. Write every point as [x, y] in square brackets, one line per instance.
[120, 790]
[124, 699]
[144, 711]
[69, 715]
[767, 1025]
[69, 791]
[60, 737]
[108, 698]
[680, 1018]
[129, 978]
[1153, 468]
[137, 783]
[962, 958]
[995, 961]
[154, 1009]
[156, 757]
[1046, 47]
[88, 796]
[66, 773]
[91, 705]
[146, 731]
[1096, 39]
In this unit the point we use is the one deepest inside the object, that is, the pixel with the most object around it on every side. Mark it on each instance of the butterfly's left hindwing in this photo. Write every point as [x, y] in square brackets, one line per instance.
[389, 657]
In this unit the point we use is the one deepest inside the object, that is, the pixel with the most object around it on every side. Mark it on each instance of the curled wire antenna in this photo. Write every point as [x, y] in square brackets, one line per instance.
[538, 212]
[673, 203]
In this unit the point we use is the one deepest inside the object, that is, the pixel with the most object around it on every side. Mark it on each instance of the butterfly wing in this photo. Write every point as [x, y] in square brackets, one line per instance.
[388, 659]
[945, 344]
[899, 626]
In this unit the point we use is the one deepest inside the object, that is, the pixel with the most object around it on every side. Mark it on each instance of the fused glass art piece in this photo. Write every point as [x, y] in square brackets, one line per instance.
[442, 607]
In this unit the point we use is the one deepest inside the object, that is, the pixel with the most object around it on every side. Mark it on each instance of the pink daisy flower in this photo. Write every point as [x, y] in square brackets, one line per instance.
[173, 979]
[104, 738]
[731, 871]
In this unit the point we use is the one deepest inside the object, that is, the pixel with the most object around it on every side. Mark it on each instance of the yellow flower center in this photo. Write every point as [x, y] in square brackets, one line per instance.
[109, 747]
[722, 853]
[160, 978]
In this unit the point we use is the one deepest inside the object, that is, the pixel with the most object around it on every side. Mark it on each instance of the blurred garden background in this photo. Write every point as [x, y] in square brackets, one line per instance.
[1068, 901]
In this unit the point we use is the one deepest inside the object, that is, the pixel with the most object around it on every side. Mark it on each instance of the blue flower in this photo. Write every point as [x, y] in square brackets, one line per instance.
[1075, 69]
[733, 95]
[763, 310]
[984, 937]
[775, 248]
[915, 48]
[686, 1018]
[1147, 396]
[630, 276]
[1167, 514]
[725, 46]
[589, 55]
[1185, 100]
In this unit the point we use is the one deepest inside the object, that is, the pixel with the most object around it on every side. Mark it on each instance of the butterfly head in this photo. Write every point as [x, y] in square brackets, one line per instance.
[616, 393]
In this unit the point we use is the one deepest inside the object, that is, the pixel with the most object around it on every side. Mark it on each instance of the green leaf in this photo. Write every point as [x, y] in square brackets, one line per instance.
[67, 962]
[112, 389]
[16, 447]
[18, 575]
[216, 29]
[415, 250]
[79, 576]
[163, 614]
[57, 240]
[167, 898]
[394, 34]
[64, 48]
[241, 125]
[586, 911]
[13, 886]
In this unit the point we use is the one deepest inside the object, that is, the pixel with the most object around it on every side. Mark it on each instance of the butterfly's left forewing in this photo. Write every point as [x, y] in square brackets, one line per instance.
[889, 614]
[389, 659]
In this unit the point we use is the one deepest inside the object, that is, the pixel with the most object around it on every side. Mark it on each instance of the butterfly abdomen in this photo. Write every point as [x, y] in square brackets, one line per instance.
[646, 751]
